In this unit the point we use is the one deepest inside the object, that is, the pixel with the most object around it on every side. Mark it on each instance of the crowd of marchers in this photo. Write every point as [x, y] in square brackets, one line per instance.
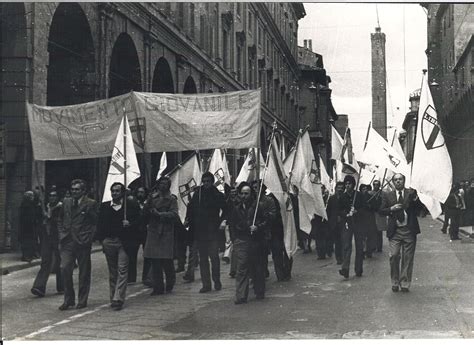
[241, 226]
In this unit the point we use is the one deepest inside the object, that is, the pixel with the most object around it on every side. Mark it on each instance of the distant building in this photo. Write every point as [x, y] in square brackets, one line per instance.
[341, 124]
[316, 109]
[407, 139]
[450, 54]
[379, 83]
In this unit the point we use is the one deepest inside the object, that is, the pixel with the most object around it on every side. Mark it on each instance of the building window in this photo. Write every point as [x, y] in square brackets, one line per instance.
[250, 21]
[251, 69]
[180, 19]
[202, 32]
[192, 12]
[239, 63]
[225, 48]
[239, 9]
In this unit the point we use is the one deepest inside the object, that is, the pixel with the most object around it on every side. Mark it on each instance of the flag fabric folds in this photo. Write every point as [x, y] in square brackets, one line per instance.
[184, 180]
[379, 152]
[275, 180]
[248, 172]
[325, 179]
[219, 168]
[123, 151]
[349, 163]
[432, 172]
[336, 144]
[305, 175]
[163, 165]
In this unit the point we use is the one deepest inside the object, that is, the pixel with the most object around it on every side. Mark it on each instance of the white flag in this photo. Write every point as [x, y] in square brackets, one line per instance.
[379, 152]
[325, 179]
[433, 205]
[432, 172]
[275, 180]
[336, 144]
[248, 172]
[288, 161]
[184, 180]
[122, 150]
[305, 175]
[219, 168]
[163, 165]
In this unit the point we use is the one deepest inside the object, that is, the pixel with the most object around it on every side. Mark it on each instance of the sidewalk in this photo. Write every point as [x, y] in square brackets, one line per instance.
[465, 230]
[11, 262]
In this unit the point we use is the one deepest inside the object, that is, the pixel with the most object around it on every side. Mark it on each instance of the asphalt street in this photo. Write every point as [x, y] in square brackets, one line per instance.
[316, 304]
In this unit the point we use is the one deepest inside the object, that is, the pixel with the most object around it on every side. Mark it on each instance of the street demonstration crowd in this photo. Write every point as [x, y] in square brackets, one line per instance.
[231, 225]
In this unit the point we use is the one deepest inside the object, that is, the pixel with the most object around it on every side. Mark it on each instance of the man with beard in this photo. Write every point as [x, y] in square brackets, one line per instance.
[203, 214]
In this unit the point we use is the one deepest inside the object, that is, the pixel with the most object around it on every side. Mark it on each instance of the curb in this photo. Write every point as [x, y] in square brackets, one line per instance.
[461, 230]
[36, 262]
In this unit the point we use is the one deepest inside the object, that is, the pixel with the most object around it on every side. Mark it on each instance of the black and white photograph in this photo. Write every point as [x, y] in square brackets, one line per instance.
[236, 171]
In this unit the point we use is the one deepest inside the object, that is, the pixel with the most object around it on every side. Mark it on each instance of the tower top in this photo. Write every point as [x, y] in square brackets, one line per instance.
[378, 29]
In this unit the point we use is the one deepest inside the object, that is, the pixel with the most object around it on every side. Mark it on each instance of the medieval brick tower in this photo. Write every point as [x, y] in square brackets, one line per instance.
[379, 83]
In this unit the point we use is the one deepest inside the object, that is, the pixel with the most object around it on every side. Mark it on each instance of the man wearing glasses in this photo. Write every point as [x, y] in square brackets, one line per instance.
[77, 226]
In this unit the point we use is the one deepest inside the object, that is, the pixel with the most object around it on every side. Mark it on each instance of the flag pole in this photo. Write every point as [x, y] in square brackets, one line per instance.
[360, 167]
[385, 172]
[416, 125]
[125, 164]
[290, 174]
[264, 172]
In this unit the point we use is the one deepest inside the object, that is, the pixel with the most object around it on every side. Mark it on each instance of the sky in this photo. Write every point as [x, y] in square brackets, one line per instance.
[341, 33]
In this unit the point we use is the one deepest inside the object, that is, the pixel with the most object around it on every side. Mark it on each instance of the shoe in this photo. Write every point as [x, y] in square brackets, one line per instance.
[405, 289]
[339, 262]
[117, 305]
[66, 306]
[218, 286]
[169, 289]
[359, 274]
[232, 275]
[329, 255]
[226, 260]
[395, 288]
[368, 255]
[156, 293]
[205, 289]
[456, 239]
[260, 296]
[37, 292]
[81, 305]
[240, 301]
[344, 273]
[179, 269]
[443, 231]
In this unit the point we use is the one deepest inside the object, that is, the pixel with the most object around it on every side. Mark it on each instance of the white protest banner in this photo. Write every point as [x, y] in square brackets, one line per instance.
[177, 122]
[159, 122]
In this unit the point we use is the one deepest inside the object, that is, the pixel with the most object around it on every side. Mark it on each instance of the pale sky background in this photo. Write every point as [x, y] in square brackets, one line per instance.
[341, 33]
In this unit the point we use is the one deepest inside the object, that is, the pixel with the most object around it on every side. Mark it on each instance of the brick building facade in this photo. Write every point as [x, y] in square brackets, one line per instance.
[451, 75]
[68, 53]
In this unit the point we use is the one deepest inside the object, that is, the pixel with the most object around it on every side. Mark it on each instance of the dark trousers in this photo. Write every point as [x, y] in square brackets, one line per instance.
[379, 244]
[336, 240]
[233, 262]
[455, 216]
[49, 258]
[282, 263]
[159, 266]
[359, 236]
[446, 221]
[209, 250]
[249, 256]
[70, 251]
[132, 251]
[371, 239]
[193, 258]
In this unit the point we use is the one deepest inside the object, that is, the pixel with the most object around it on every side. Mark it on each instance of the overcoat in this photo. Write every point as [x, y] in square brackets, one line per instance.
[162, 215]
